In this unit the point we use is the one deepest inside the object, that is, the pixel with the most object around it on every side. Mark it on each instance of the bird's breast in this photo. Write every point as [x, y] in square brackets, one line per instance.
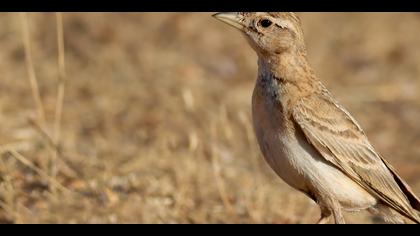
[273, 130]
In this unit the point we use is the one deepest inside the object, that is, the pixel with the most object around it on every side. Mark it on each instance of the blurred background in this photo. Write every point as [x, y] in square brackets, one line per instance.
[154, 124]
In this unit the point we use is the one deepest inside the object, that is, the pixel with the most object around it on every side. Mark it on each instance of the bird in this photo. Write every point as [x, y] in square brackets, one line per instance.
[306, 136]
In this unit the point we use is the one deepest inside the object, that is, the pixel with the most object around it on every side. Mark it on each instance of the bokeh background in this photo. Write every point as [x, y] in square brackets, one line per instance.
[156, 123]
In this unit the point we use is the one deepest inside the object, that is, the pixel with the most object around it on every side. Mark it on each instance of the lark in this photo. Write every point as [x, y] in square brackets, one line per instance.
[306, 136]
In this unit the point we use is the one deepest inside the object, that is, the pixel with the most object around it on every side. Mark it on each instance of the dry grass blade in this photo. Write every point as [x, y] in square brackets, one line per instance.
[60, 93]
[30, 69]
[61, 78]
[34, 86]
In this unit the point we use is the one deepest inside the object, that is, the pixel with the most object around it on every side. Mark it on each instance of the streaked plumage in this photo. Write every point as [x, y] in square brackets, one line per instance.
[306, 136]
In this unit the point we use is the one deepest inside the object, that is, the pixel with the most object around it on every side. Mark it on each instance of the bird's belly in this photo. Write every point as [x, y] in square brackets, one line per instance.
[306, 171]
[300, 165]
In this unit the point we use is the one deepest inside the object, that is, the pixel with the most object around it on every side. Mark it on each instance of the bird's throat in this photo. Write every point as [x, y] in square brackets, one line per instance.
[286, 67]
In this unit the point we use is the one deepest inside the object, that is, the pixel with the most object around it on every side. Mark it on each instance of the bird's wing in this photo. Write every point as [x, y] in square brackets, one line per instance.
[340, 140]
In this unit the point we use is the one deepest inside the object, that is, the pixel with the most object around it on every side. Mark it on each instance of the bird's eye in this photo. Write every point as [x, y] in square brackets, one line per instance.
[265, 23]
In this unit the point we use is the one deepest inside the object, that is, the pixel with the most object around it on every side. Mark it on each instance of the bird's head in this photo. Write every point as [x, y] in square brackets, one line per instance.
[269, 33]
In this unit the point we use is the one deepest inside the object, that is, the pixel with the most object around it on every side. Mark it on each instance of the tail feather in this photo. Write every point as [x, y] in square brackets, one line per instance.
[413, 200]
[387, 214]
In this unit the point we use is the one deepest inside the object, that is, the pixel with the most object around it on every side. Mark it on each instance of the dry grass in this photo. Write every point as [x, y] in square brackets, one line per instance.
[155, 124]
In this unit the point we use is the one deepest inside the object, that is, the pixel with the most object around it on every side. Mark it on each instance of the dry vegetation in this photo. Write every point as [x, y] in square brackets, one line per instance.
[156, 124]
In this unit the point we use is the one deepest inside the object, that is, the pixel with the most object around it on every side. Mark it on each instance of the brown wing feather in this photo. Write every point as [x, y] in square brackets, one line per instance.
[414, 200]
[341, 141]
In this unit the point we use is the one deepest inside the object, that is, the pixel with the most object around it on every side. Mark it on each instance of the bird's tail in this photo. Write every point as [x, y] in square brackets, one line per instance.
[386, 214]
[413, 203]
[390, 216]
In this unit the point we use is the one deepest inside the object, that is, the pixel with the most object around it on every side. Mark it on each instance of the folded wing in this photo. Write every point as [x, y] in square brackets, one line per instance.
[342, 142]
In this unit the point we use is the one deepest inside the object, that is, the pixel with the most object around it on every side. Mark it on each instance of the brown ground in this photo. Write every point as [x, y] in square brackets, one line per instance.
[156, 119]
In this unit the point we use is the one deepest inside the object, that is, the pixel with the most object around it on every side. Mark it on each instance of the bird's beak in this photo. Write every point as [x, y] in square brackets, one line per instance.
[231, 18]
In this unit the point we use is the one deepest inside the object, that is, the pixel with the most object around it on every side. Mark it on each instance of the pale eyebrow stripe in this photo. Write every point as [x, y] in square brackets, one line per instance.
[290, 14]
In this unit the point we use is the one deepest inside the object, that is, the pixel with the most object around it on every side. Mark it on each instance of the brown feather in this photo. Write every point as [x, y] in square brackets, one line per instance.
[341, 141]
